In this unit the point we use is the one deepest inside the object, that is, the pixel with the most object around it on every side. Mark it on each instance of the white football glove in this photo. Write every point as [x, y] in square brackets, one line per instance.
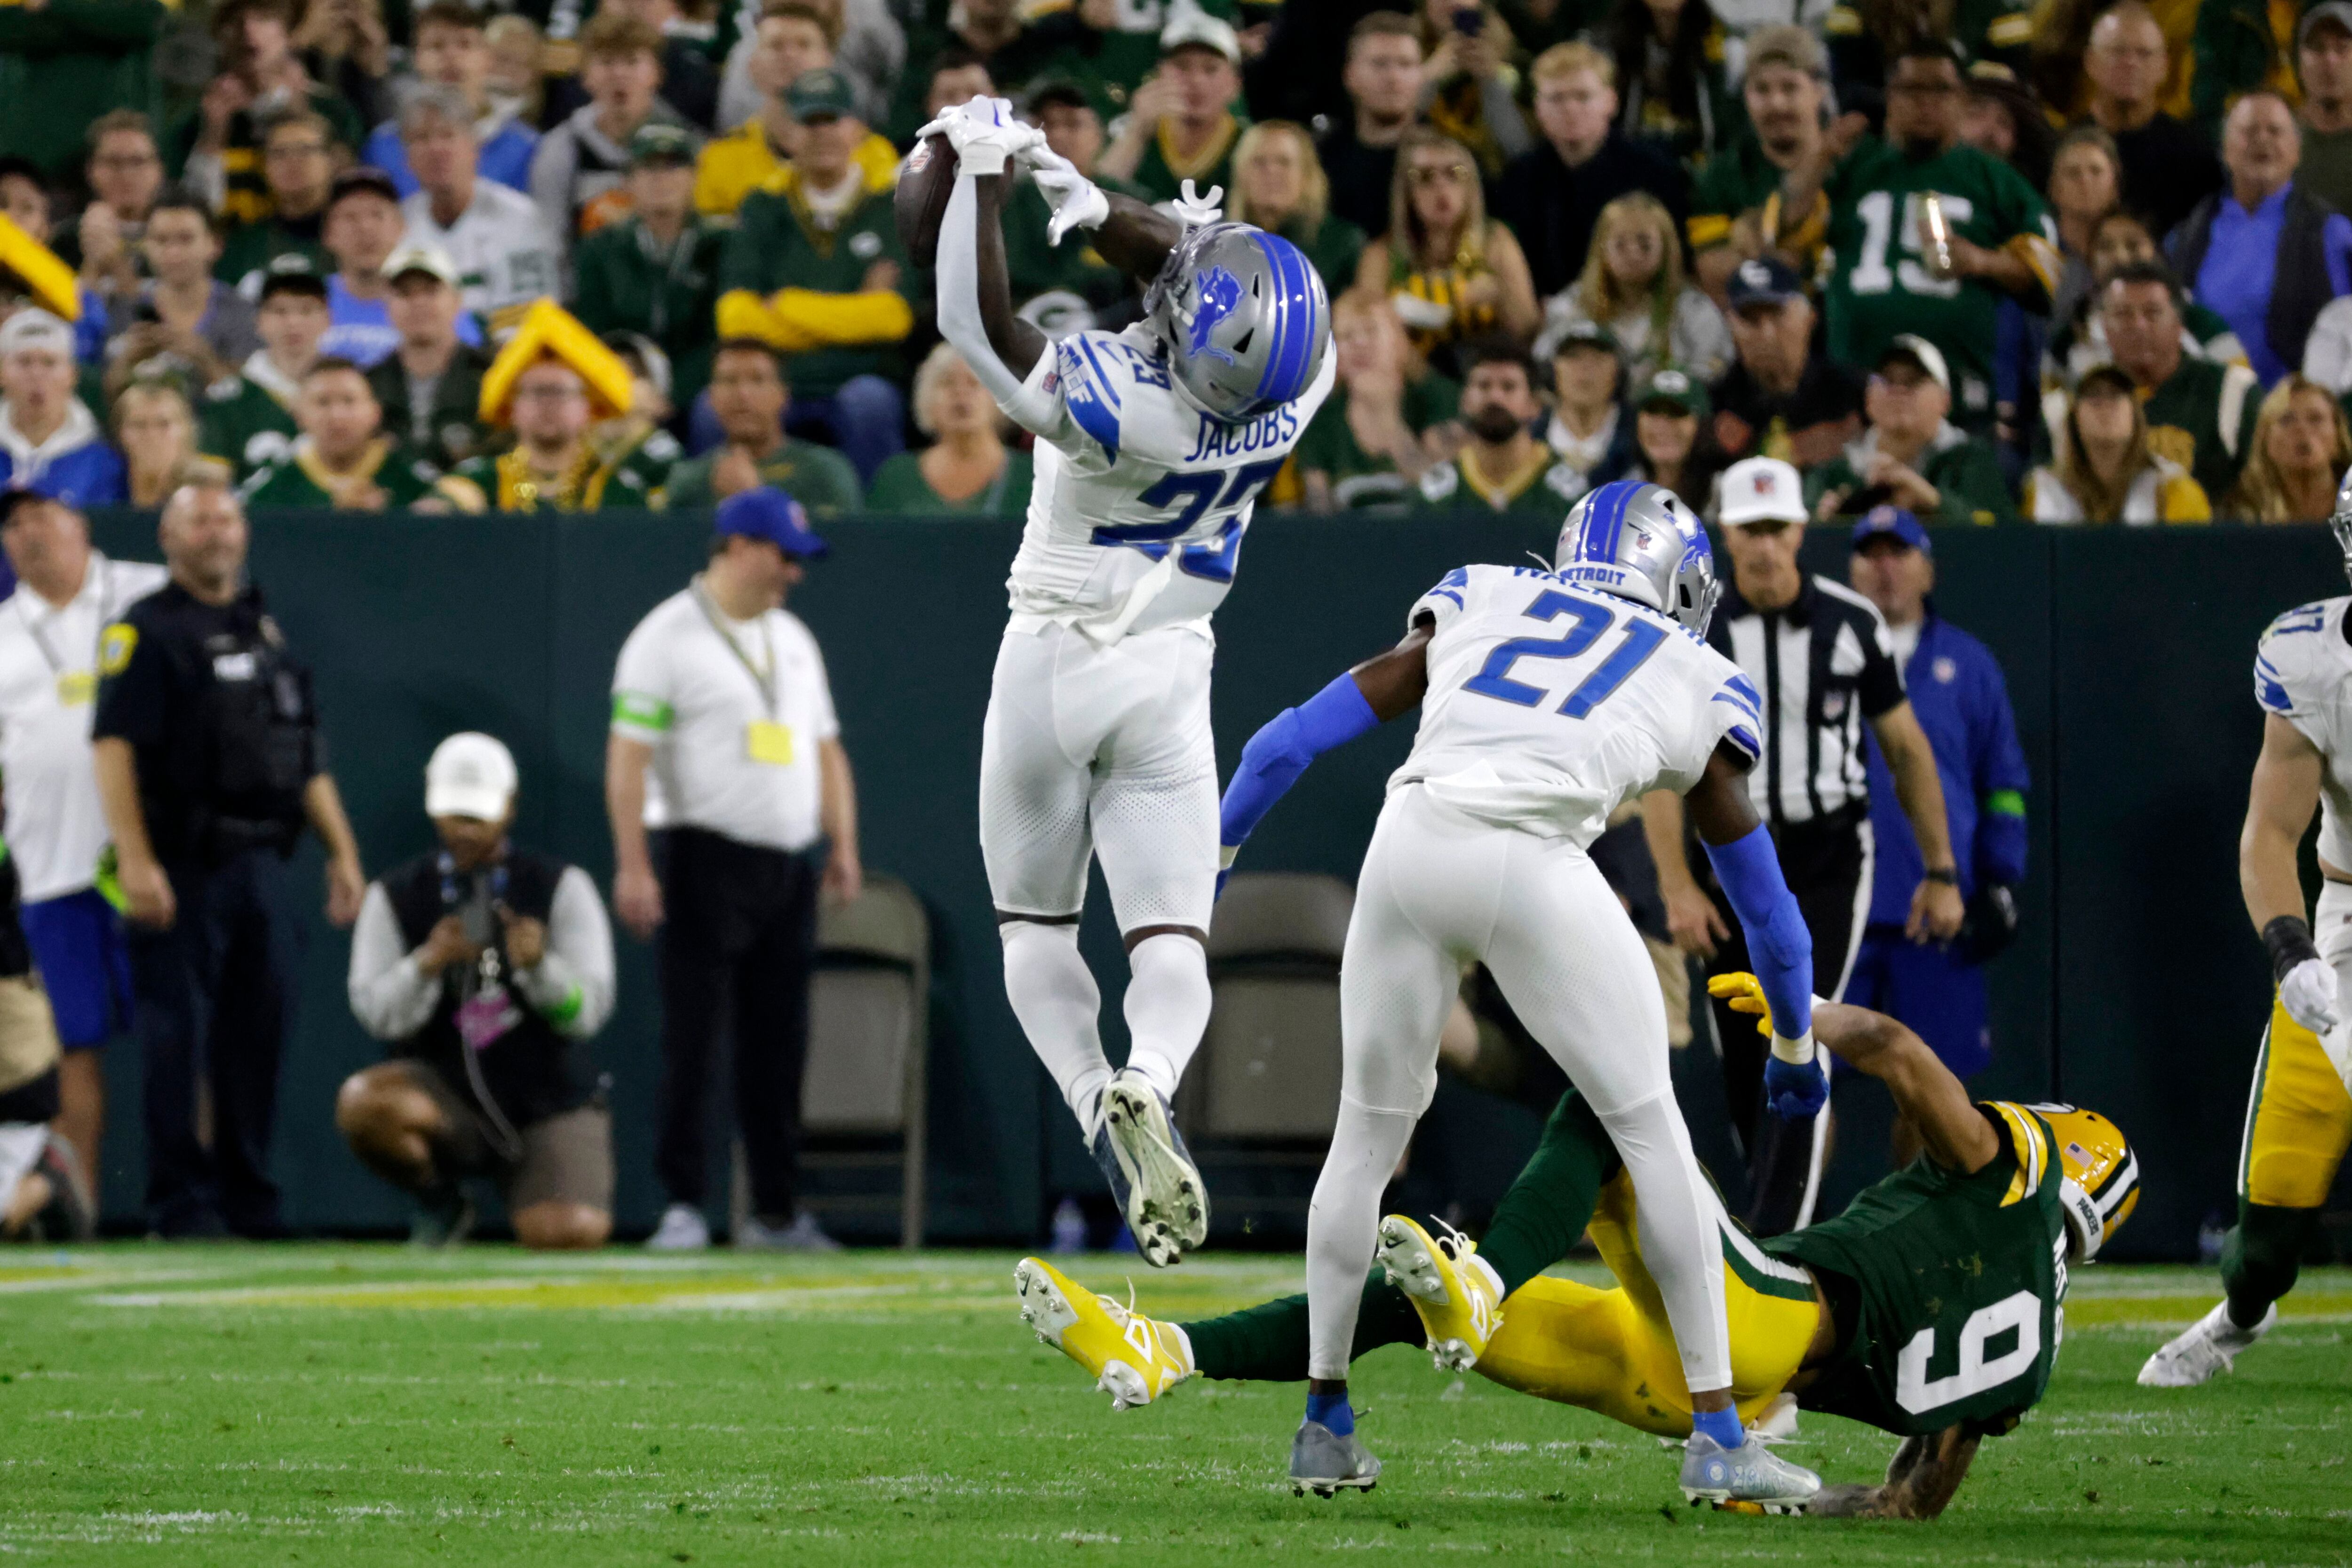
[1198, 211]
[984, 133]
[2309, 994]
[1078, 202]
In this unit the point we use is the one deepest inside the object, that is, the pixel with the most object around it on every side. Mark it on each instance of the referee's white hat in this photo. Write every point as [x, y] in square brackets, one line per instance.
[471, 775]
[1758, 490]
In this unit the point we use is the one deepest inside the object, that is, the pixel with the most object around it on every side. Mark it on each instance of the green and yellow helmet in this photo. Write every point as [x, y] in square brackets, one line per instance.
[2099, 1175]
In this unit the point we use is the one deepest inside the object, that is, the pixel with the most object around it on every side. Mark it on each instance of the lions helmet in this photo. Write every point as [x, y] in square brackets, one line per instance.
[1245, 319]
[2341, 521]
[1640, 542]
[2099, 1175]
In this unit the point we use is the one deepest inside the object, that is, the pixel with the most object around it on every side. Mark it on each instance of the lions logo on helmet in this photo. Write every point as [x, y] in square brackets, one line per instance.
[1246, 315]
[1640, 542]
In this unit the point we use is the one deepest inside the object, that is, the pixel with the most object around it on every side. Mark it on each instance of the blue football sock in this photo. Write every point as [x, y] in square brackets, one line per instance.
[1332, 1410]
[1723, 1426]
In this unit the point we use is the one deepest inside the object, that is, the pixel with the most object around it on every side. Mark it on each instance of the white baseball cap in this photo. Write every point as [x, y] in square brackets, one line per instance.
[1920, 352]
[36, 329]
[1759, 490]
[471, 775]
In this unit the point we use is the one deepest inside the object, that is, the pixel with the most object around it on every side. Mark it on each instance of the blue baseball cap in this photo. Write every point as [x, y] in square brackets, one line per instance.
[767, 513]
[43, 486]
[1880, 522]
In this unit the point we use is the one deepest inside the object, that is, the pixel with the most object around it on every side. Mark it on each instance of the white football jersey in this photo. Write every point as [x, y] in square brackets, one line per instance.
[1550, 704]
[1141, 498]
[2302, 673]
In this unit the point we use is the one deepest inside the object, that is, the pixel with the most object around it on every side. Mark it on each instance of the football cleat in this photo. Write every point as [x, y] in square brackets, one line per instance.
[1456, 1292]
[1750, 1473]
[1135, 1359]
[1325, 1463]
[2212, 1345]
[1166, 1205]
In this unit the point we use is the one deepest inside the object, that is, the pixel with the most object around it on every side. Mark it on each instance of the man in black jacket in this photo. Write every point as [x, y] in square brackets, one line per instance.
[1553, 196]
[484, 966]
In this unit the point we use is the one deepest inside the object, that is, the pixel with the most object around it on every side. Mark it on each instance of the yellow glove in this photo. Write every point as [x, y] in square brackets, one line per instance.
[1745, 995]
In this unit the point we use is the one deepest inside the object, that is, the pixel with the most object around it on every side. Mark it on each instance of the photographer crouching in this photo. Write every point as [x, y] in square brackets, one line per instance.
[484, 966]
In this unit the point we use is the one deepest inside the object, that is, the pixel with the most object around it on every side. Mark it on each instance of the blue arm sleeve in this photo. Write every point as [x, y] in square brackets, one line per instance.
[1778, 941]
[1278, 753]
[2000, 815]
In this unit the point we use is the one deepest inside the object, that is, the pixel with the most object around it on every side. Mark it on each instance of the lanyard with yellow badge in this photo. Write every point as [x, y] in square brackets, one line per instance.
[75, 687]
[767, 739]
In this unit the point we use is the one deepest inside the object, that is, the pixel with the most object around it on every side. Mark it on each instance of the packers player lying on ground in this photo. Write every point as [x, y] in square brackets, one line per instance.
[1930, 1308]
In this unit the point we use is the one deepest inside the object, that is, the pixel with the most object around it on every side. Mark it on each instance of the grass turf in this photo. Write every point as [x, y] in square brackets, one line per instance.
[363, 1405]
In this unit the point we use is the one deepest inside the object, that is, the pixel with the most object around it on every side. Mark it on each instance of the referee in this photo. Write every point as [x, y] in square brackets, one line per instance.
[724, 743]
[1823, 666]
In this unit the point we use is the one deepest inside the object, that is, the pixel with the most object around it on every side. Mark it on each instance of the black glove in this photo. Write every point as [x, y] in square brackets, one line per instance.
[1989, 925]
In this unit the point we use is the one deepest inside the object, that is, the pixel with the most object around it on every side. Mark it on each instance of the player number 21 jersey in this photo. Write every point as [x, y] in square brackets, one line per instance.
[1141, 498]
[2302, 673]
[1550, 704]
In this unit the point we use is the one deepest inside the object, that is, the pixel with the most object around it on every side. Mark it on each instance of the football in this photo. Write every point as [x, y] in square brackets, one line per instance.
[924, 182]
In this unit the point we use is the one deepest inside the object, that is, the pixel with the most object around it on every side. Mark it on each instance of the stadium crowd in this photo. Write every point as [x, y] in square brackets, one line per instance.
[1990, 263]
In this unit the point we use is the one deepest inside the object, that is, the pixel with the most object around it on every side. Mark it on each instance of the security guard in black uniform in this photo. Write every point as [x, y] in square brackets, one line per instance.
[209, 762]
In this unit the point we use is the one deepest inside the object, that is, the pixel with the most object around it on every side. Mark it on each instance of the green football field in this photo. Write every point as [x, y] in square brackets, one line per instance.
[366, 1405]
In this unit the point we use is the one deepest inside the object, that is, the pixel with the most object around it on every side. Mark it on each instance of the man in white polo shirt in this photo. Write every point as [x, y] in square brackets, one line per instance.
[724, 743]
[66, 594]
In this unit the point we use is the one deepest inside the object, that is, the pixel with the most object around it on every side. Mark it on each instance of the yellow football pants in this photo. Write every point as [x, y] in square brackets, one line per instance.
[2298, 1120]
[1612, 1352]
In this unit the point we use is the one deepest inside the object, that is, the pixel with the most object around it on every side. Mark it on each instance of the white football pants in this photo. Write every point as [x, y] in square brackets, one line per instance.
[1440, 889]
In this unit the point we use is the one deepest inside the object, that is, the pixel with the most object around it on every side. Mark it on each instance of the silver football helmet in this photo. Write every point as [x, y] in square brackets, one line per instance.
[1245, 317]
[1639, 541]
[2340, 520]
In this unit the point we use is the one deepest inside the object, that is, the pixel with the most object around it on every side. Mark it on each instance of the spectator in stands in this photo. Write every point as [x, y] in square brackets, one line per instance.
[156, 432]
[656, 271]
[2168, 167]
[248, 418]
[2107, 469]
[2240, 46]
[1468, 86]
[751, 400]
[66, 594]
[1785, 398]
[2260, 252]
[689, 81]
[1868, 36]
[974, 36]
[795, 37]
[967, 468]
[1501, 466]
[577, 173]
[1912, 456]
[2086, 185]
[1358, 153]
[1552, 195]
[1280, 186]
[554, 382]
[2007, 121]
[957, 76]
[1589, 428]
[24, 197]
[486, 968]
[862, 41]
[363, 228]
[1785, 92]
[188, 311]
[516, 88]
[816, 254]
[2200, 414]
[2323, 56]
[63, 67]
[297, 165]
[1671, 444]
[343, 459]
[2297, 458]
[126, 175]
[1181, 124]
[1371, 440]
[347, 49]
[451, 50]
[1632, 284]
[215, 149]
[46, 435]
[1676, 94]
[504, 252]
[1874, 203]
[1452, 273]
[2117, 241]
[635, 437]
[430, 387]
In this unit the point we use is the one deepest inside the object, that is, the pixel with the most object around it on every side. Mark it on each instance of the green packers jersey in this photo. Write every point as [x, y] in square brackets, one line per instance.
[1958, 1283]
[1879, 285]
[243, 424]
[297, 479]
[1735, 181]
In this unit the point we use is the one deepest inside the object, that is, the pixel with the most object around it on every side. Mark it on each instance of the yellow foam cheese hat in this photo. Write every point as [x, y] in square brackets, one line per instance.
[551, 332]
[51, 280]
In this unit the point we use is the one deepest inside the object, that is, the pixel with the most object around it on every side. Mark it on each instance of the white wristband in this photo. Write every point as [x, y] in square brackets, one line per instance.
[1796, 1052]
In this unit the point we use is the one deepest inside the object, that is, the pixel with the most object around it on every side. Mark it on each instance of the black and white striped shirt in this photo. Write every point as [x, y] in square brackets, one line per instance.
[1822, 666]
